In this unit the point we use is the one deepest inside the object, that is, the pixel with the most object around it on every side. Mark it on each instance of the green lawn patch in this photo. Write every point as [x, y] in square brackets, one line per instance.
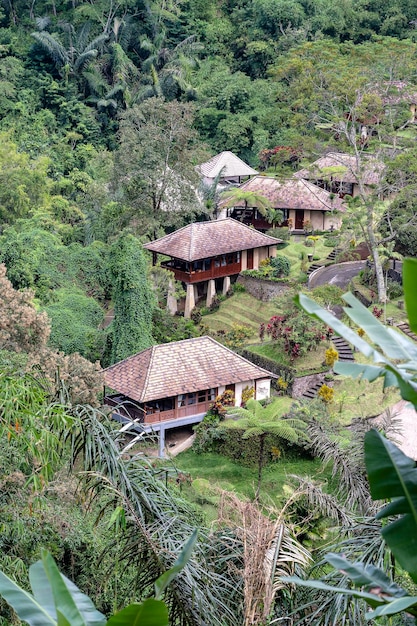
[310, 362]
[296, 249]
[231, 476]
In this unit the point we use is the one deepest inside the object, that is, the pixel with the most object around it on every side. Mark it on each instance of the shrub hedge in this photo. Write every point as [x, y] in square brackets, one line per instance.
[282, 371]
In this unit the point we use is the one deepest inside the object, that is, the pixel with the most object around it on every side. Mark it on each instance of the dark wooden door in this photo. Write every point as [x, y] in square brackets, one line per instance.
[250, 260]
[299, 219]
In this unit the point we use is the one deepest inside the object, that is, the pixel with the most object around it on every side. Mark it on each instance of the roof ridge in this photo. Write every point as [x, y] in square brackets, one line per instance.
[148, 371]
[131, 356]
[242, 358]
[191, 240]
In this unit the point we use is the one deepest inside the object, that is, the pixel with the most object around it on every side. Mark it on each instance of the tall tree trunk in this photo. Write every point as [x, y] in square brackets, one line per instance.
[260, 464]
[381, 288]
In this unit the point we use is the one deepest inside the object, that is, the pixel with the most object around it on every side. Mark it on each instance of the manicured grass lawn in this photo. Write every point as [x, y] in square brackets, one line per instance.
[310, 362]
[294, 250]
[221, 472]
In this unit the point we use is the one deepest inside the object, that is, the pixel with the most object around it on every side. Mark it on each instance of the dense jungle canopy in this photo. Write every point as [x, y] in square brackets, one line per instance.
[106, 109]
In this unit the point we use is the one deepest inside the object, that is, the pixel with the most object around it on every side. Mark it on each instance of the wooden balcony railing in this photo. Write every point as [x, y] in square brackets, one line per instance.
[201, 276]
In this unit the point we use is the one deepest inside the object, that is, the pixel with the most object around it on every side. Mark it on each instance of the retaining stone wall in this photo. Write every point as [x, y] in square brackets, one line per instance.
[264, 290]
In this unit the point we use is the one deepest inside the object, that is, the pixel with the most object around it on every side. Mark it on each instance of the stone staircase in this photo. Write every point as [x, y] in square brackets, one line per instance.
[314, 266]
[343, 348]
[333, 254]
[345, 355]
[331, 257]
[311, 392]
[404, 327]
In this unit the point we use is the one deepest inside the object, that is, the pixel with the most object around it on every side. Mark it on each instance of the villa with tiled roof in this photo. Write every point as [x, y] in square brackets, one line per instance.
[299, 200]
[174, 384]
[338, 173]
[205, 256]
[230, 167]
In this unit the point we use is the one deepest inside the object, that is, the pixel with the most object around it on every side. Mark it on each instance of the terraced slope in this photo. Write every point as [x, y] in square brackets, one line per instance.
[241, 308]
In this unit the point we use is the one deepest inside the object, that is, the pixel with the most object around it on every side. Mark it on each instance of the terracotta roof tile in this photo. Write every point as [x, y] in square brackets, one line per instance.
[186, 366]
[291, 193]
[233, 166]
[372, 168]
[202, 240]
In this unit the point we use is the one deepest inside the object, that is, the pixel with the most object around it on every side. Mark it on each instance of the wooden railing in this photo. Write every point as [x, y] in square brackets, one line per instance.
[127, 410]
[198, 277]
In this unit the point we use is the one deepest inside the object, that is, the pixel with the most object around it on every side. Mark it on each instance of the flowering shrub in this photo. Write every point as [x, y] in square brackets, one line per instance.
[326, 394]
[222, 402]
[377, 312]
[298, 332]
[282, 385]
[247, 394]
[331, 356]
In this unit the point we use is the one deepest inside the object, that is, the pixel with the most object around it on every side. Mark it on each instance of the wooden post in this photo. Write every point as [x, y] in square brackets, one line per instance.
[161, 443]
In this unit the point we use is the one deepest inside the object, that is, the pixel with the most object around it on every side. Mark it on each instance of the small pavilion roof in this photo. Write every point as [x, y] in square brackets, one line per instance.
[231, 165]
[292, 193]
[185, 366]
[202, 240]
[317, 170]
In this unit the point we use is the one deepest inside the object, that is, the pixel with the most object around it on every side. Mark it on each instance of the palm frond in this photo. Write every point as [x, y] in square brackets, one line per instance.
[159, 522]
[353, 483]
[363, 542]
[52, 47]
[269, 552]
[84, 59]
[320, 501]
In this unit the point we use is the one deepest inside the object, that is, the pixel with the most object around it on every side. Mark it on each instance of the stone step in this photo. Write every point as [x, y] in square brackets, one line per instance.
[312, 391]
[333, 254]
[343, 348]
[404, 327]
[313, 267]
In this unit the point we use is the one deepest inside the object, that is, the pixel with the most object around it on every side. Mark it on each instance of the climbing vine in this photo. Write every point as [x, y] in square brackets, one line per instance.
[133, 299]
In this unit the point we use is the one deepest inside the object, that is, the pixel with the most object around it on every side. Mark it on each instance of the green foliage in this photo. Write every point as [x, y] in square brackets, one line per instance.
[392, 475]
[75, 321]
[153, 166]
[327, 295]
[281, 266]
[167, 327]
[256, 422]
[36, 257]
[280, 233]
[56, 599]
[235, 337]
[286, 373]
[133, 299]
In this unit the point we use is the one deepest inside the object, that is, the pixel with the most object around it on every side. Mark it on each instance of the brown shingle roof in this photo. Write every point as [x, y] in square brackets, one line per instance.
[317, 170]
[233, 166]
[202, 240]
[292, 193]
[179, 367]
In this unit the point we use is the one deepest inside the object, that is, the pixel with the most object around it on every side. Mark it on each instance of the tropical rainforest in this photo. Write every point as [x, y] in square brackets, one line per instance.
[106, 109]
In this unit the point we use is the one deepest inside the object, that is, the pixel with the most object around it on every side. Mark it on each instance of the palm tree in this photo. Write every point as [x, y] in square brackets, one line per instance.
[275, 216]
[73, 57]
[250, 199]
[168, 70]
[259, 421]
